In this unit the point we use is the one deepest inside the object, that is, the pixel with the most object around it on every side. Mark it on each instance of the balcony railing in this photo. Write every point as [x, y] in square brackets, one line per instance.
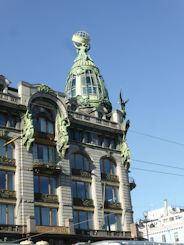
[7, 194]
[10, 98]
[7, 161]
[11, 228]
[94, 120]
[42, 197]
[132, 183]
[83, 202]
[81, 173]
[112, 205]
[109, 177]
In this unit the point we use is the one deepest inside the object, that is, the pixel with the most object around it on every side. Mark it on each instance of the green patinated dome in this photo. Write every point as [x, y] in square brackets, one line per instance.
[84, 79]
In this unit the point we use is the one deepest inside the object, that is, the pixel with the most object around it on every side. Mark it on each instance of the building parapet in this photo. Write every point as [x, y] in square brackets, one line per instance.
[9, 98]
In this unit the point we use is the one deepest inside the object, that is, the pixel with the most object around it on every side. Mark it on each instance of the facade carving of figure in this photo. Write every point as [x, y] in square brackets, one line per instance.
[28, 130]
[125, 153]
[43, 88]
[122, 105]
[63, 138]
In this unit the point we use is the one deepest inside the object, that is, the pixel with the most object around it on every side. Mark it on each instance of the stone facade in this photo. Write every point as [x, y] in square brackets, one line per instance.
[61, 167]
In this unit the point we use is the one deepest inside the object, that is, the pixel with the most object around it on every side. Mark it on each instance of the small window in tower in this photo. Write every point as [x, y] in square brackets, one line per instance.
[73, 82]
[1, 88]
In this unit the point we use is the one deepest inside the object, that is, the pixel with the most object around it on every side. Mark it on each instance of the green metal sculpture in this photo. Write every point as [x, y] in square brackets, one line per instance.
[63, 138]
[125, 152]
[43, 88]
[27, 130]
[122, 105]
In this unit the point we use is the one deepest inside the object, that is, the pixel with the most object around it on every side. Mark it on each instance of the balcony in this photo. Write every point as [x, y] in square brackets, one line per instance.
[109, 177]
[42, 197]
[11, 228]
[81, 173]
[7, 194]
[112, 205]
[132, 183]
[41, 167]
[10, 98]
[83, 202]
[7, 161]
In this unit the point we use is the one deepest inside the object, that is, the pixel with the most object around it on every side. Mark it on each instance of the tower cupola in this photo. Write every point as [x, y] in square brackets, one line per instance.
[84, 80]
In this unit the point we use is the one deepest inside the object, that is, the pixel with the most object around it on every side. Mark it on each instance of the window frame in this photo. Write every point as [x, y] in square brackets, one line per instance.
[7, 213]
[49, 184]
[7, 147]
[40, 215]
[112, 166]
[83, 161]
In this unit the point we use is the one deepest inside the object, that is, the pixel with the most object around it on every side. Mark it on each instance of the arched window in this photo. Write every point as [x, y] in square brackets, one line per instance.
[79, 161]
[7, 150]
[107, 166]
[43, 120]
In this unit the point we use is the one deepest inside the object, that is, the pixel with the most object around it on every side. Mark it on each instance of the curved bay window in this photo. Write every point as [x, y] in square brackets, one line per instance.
[107, 166]
[7, 150]
[43, 120]
[71, 87]
[79, 161]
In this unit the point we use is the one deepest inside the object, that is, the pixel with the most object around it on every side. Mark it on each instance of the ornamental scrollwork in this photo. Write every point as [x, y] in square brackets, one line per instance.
[63, 138]
[27, 129]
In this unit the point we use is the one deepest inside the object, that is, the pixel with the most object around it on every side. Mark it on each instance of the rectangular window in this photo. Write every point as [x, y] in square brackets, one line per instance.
[81, 189]
[44, 153]
[112, 222]
[7, 214]
[83, 220]
[46, 216]
[44, 184]
[163, 238]
[42, 124]
[111, 193]
[6, 180]
[176, 237]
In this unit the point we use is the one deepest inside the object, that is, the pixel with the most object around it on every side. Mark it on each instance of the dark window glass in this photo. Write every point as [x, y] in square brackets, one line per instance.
[44, 185]
[112, 222]
[79, 161]
[81, 189]
[83, 220]
[77, 136]
[53, 186]
[36, 184]
[54, 216]
[2, 180]
[11, 214]
[7, 211]
[2, 214]
[106, 142]
[76, 221]
[107, 166]
[45, 216]
[2, 120]
[10, 181]
[37, 215]
[11, 121]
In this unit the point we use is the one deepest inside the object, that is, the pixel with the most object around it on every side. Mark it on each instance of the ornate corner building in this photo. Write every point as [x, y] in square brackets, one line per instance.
[64, 159]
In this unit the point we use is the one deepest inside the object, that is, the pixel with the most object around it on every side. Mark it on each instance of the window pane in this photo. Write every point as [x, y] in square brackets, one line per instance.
[90, 220]
[74, 189]
[35, 152]
[106, 222]
[10, 151]
[106, 142]
[73, 92]
[113, 168]
[51, 154]
[107, 166]
[77, 136]
[2, 120]
[2, 148]
[36, 184]
[76, 221]
[45, 216]
[11, 214]
[54, 217]
[79, 161]
[72, 160]
[44, 185]
[10, 181]
[11, 121]
[35, 124]
[116, 199]
[119, 222]
[84, 91]
[109, 195]
[45, 153]
[2, 180]
[53, 186]
[80, 190]
[50, 128]
[112, 222]
[37, 215]
[101, 166]
[90, 90]
[83, 220]
[2, 214]
[86, 164]
[88, 192]
[42, 124]
[88, 80]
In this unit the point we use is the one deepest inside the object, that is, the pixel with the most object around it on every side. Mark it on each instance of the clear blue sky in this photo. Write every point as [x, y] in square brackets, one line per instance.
[138, 46]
